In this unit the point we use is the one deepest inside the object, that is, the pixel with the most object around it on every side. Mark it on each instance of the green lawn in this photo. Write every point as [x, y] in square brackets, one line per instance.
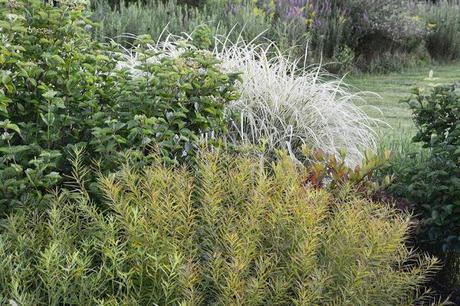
[393, 87]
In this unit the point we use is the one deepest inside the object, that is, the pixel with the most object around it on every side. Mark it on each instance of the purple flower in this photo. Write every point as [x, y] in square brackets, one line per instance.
[365, 17]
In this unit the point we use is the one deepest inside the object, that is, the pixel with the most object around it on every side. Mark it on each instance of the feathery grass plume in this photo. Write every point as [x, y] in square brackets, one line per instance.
[284, 104]
[288, 105]
[228, 232]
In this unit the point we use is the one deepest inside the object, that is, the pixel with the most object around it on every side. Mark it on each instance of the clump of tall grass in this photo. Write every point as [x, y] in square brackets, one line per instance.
[142, 18]
[229, 233]
[286, 105]
[368, 28]
[443, 21]
[283, 106]
[155, 17]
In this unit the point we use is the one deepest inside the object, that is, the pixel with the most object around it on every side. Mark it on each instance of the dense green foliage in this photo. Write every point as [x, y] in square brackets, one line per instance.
[433, 184]
[60, 89]
[427, 179]
[228, 233]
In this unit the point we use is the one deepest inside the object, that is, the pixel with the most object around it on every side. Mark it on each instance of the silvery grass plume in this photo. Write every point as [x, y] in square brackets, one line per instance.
[283, 106]
[287, 106]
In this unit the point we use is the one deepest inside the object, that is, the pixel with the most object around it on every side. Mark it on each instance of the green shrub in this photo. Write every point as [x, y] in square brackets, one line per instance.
[60, 89]
[53, 77]
[427, 179]
[167, 100]
[437, 187]
[228, 233]
[433, 184]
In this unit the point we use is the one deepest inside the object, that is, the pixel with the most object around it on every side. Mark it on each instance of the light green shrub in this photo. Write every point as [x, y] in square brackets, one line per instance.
[229, 233]
[59, 88]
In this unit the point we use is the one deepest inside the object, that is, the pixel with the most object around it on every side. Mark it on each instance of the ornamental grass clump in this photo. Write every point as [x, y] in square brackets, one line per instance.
[286, 107]
[230, 232]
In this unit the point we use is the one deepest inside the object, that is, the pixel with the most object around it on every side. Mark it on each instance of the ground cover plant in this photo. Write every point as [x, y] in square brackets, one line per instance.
[228, 232]
[60, 89]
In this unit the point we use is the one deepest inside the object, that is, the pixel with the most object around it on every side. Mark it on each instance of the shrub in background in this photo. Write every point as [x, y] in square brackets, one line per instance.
[393, 61]
[227, 233]
[334, 25]
[385, 35]
[117, 4]
[60, 89]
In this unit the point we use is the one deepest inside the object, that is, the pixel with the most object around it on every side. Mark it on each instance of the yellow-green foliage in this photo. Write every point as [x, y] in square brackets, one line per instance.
[227, 233]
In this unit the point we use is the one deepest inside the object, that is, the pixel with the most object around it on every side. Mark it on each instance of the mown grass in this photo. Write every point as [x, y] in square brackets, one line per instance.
[393, 87]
